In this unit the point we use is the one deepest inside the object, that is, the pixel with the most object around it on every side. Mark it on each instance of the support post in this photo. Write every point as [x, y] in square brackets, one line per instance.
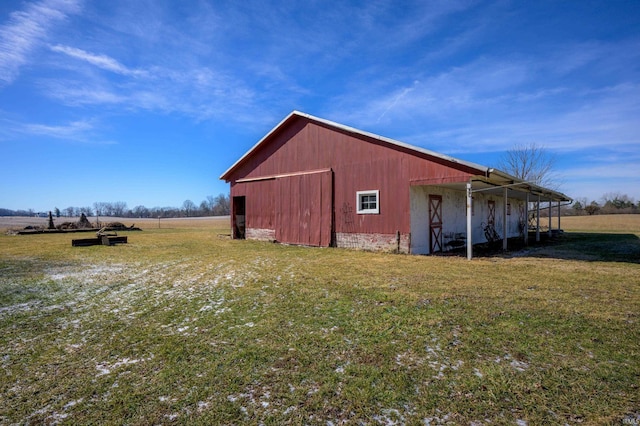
[538, 220]
[550, 218]
[526, 221]
[469, 211]
[559, 228]
[504, 219]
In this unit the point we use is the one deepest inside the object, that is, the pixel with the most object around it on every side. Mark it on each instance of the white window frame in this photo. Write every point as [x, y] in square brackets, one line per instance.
[360, 194]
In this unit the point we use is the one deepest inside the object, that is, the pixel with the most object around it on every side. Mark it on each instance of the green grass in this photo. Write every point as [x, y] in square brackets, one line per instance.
[184, 326]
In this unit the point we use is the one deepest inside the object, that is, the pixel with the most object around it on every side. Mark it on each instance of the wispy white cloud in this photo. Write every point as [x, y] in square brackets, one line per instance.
[447, 94]
[425, 18]
[72, 129]
[403, 93]
[101, 61]
[26, 30]
[74, 93]
[199, 71]
[200, 93]
[79, 131]
[491, 103]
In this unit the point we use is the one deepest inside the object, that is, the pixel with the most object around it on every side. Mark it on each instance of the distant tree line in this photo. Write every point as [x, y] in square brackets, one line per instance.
[210, 206]
[7, 212]
[611, 203]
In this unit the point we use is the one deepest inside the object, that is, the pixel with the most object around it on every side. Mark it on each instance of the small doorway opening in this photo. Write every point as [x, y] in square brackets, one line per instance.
[239, 218]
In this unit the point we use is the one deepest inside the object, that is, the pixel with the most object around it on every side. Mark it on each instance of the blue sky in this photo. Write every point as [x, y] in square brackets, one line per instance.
[148, 102]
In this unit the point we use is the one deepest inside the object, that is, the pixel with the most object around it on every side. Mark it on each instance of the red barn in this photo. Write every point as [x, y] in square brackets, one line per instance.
[315, 182]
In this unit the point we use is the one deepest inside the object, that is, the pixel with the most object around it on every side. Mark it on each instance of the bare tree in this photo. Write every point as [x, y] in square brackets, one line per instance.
[140, 211]
[531, 163]
[211, 202]
[102, 208]
[119, 208]
[188, 206]
[88, 211]
[204, 208]
[222, 205]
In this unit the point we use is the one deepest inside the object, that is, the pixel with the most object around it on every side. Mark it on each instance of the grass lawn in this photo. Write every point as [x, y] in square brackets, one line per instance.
[186, 326]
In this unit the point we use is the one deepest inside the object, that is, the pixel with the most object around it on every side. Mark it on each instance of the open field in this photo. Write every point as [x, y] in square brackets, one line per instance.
[605, 223]
[19, 222]
[186, 326]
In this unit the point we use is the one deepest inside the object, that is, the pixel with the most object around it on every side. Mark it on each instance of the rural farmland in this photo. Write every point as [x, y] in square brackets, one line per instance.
[184, 325]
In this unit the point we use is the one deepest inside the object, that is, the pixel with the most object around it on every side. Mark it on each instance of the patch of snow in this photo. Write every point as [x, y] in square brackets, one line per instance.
[519, 365]
[390, 417]
[20, 307]
[72, 403]
[57, 417]
[435, 420]
[102, 370]
[105, 368]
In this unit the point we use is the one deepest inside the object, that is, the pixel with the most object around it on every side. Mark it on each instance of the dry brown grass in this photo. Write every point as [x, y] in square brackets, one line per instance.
[602, 223]
[217, 222]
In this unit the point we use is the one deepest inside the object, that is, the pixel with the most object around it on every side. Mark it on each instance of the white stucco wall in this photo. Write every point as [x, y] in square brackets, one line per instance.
[454, 219]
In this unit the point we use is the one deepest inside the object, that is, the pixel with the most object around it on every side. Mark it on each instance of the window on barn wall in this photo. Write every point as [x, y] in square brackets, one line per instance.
[368, 202]
[508, 209]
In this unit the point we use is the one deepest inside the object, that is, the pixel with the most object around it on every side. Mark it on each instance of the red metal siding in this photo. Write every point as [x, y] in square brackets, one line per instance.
[359, 163]
[304, 209]
[259, 203]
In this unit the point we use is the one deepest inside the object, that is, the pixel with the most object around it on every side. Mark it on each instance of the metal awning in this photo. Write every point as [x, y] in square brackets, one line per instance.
[499, 184]
[495, 183]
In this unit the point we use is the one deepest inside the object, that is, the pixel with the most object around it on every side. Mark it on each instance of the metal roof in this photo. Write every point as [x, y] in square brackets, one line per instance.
[490, 176]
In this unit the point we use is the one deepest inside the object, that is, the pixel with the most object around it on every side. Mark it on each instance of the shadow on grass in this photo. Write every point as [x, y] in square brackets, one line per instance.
[587, 246]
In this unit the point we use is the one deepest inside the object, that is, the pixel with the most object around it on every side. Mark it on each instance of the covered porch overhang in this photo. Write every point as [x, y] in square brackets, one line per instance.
[500, 184]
